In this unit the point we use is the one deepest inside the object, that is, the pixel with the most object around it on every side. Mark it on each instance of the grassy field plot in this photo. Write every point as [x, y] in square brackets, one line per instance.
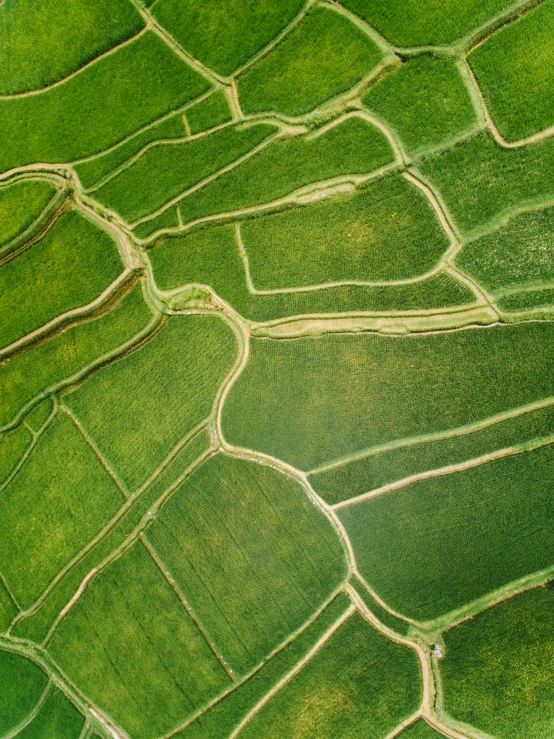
[437, 544]
[515, 69]
[359, 476]
[210, 256]
[524, 301]
[40, 46]
[250, 553]
[12, 447]
[20, 205]
[425, 101]
[39, 415]
[54, 505]
[225, 41]
[386, 618]
[104, 102]
[358, 684]
[94, 169]
[324, 56]
[57, 719]
[209, 112]
[162, 390]
[26, 375]
[166, 170]
[69, 267]
[416, 23]
[350, 147]
[223, 717]
[309, 402]
[131, 646]
[22, 684]
[498, 673]
[479, 181]
[420, 730]
[8, 609]
[518, 255]
[386, 231]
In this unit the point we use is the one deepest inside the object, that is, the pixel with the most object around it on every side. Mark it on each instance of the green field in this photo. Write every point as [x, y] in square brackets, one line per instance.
[498, 671]
[208, 113]
[21, 204]
[22, 684]
[249, 553]
[12, 448]
[430, 547]
[420, 730]
[425, 101]
[358, 684]
[515, 71]
[525, 301]
[324, 56]
[57, 719]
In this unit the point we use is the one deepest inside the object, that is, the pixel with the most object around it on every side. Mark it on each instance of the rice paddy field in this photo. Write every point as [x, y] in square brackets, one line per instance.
[276, 369]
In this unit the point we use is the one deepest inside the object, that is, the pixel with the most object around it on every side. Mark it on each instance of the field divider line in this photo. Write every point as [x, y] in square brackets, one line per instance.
[404, 725]
[447, 470]
[9, 592]
[32, 714]
[85, 731]
[364, 26]
[483, 296]
[381, 602]
[506, 292]
[121, 284]
[58, 83]
[292, 673]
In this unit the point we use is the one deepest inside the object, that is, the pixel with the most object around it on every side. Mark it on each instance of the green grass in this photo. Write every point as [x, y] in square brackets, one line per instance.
[309, 402]
[224, 716]
[39, 415]
[420, 730]
[437, 544]
[104, 103]
[160, 391]
[359, 684]
[21, 683]
[57, 719]
[386, 618]
[167, 219]
[425, 101]
[371, 472]
[386, 231]
[208, 113]
[24, 376]
[225, 41]
[91, 171]
[41, 45]
[69, 267]
[324, 56]
[20, 205]
[524, 301]
[515, 70]
[12, 447]
[480, 181]
[353, 146]
[210, 257]
[131, 646]
[36, 626]
[43, 519]
[251, 554]
[166, 170]
[518, 255]
[498, 673]
[416, 23]
[8, 610]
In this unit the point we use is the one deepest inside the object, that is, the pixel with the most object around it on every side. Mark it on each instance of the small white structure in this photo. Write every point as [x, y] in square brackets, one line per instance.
[437, 651]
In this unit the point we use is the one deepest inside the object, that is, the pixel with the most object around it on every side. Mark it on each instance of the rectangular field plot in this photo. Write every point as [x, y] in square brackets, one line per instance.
[104, 102]
[24, 376]
[515, 69]
[498, 673]
[166, 170]
[138, 408]
[130, 645]
[309, 402]
[22, 685]
[37, 49]
[425, 101]
[57, 719]
[20, 205]
[535, 300]
[250, 553]
[384, 467]
[323, 56]
[480, 182]
[222, 718]
[67, 268]
[56, 503]
[385, 231]
[225, 41]
[359, 684]
[437, 544]
[350, 147]
[209, 112]
[517, 255]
